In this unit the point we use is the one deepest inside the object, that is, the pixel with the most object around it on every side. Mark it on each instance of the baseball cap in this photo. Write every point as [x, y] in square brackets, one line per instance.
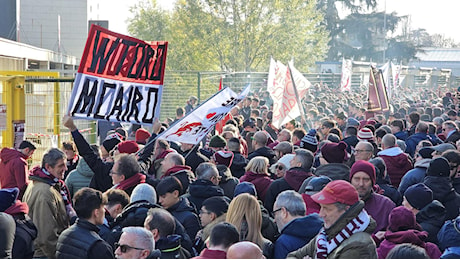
[337, 191]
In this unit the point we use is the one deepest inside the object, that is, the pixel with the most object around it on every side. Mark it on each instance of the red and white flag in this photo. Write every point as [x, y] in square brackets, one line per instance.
[347, 70]
[196, 125]
[285, 92]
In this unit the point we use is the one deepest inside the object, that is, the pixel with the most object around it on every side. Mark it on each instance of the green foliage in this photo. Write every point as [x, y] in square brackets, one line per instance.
[234, 35]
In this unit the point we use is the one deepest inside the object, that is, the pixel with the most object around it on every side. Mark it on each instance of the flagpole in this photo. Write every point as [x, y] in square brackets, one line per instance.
[302, 112]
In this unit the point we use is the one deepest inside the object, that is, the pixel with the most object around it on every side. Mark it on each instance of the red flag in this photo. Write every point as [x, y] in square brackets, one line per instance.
[377, 96]
[220, 83]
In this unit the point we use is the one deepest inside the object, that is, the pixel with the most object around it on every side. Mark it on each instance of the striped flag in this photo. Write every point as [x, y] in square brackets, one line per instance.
[345, 82]
[377, 95]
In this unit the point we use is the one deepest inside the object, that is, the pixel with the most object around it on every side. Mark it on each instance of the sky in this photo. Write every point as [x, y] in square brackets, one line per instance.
[436, 16]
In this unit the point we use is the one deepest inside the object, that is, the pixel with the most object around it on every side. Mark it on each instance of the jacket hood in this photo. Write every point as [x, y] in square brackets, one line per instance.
[177, 168]
[423, 163]
[295, 177]
[238, 160]
[433, 213]
[166, 244]
[399, 161]
[393, 151]
[18, 207]
[204, 189]
[251, 176]
[83, 168]
[304, 227]
[266, 152]
[7, 154]
[411, 236]
[441, 186]
[335, 171]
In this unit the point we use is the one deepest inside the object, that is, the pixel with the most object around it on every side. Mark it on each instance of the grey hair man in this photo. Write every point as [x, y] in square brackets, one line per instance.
[296, 229]
[135, 243]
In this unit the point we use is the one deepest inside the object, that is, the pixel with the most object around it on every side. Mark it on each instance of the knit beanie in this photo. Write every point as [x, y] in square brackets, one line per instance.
[334, 152]
[363, 166]
[402, 219]
[144, 191]
[7, 198]
[245, 187]
[128, 147]
[309, 141]
[439, 167]
[365, 134]
[223, 157]
[216, 204]
[142, 135]
[419, 195]
[217, 141]
[111, 141]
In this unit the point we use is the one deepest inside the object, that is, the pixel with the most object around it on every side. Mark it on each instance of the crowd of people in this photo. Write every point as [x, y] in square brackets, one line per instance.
[338, 182]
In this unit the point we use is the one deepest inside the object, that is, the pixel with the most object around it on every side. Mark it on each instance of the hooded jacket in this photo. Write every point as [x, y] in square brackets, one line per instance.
[444, 192]
[13, 170]
[415, 175]
[335, 171]
[358, 245]
[431, 218]
[79, 178]
[296, 234]
[292, 180]
[449, 238]
[200, 190]
[410, 236]
[26, 231]
[238, 165]
[171, 248]
[185, 214]
[261, 182]
[228, 182]
[265, 152]
[397, 162]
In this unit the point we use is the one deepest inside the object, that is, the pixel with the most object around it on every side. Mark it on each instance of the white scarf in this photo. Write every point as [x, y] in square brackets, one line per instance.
[325, 247]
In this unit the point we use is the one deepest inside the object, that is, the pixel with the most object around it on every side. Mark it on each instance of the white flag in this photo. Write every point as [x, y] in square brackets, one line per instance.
[196, 125]
[285, 102]
[386, 77]
[347, 70]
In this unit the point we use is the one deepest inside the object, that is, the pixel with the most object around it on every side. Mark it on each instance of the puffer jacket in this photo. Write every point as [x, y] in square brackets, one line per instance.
[357, 246]
[185, 214]
[444, 192]
[79, 178]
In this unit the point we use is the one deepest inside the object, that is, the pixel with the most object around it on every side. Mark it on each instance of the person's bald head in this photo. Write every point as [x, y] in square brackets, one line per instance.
[245, 250]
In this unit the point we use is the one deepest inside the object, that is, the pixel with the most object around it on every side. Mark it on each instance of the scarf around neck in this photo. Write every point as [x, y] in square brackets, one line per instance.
[324, 246]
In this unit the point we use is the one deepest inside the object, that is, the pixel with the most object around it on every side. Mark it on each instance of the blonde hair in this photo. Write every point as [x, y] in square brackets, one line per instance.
[245, 214]
[258, 164]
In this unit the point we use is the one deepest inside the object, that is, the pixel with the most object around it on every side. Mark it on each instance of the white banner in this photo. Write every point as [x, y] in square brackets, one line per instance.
[386, 77]
[114, 100]
[347, 70]
[196, 125]
[395, 71]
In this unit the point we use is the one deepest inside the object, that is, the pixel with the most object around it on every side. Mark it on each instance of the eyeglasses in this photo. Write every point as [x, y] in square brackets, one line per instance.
[126, 248]
[361, 151]
[280, 167]
[276, 210]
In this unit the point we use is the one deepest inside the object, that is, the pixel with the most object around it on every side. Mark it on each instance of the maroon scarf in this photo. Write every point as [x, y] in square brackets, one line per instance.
[131, 181]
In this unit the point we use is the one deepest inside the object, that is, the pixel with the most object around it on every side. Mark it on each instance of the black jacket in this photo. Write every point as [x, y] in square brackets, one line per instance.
[185, 214]
[193, 158]
[444, 192]
[26, 232]
[134, 214]
[431, 218]
[200, 190]
[265, 152]
[227, 181]
[81, 240]
[239, 164]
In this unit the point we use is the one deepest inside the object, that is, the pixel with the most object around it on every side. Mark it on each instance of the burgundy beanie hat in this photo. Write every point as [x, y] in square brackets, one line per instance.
[223, 157]
[142, 135]
[334, 152]
[402, 219]
[128, 147]
[363, 166]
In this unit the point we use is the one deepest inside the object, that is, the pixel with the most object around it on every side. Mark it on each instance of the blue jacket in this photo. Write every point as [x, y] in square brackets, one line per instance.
[414, 176]
[449, 238]
[296, 234]
[402, 135]
[413, 140]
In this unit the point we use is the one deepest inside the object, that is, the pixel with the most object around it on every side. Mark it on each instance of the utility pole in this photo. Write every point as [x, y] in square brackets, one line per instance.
[384, 30]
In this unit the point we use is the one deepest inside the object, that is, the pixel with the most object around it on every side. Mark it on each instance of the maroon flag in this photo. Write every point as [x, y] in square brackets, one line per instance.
[377, 96]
